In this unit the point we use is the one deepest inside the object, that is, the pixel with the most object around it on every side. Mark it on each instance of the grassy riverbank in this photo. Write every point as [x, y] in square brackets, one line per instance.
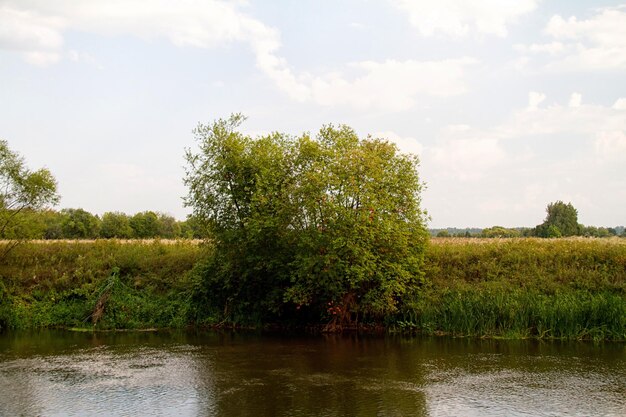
[566, 288]
[60, 284]
[517, 288]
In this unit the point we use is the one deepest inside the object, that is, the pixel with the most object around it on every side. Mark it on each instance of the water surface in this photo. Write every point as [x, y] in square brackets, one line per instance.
[57, 373]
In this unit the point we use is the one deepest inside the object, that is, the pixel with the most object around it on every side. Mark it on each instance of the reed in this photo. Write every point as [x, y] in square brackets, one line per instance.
[518, 288]
[495, 311]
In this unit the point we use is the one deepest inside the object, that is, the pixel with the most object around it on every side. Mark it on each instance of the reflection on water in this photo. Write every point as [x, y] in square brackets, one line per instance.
[193, 374]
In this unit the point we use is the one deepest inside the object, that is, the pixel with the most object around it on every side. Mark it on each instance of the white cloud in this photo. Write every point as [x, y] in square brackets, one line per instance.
[499, 176]
[36, 28]
[458, 18]
[575, 100]
[611, 145]
[37, 37]
[406, 144]
[603, 126]
[457, 128]
[38, 25]
[29, 31]
[82, 57]
[597, 43]
[467, 159]
[550, 48]
[40, 58]
[581, 119]
[534, 99]
[620, 104]
[392, 85]
[467, 153]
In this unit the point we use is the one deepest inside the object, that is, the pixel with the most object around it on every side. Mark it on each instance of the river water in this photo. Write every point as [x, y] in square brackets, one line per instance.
[61, 373]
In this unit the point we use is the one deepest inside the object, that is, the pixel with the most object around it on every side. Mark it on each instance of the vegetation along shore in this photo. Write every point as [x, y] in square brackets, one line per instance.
[323, 232]
[511, 288]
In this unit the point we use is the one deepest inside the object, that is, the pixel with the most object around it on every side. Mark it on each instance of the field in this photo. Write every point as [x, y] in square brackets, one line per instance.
[513, 288]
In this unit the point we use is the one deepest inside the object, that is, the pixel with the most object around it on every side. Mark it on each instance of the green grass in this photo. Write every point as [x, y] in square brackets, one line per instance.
[495, 311]
[542, 264]
[59, 284]
[511, 288]
[519, 288]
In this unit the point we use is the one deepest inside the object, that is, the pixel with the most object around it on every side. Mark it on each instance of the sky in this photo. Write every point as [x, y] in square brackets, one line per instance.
[510, 104]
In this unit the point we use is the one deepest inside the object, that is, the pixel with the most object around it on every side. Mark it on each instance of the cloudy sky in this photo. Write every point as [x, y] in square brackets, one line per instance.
[511, 104]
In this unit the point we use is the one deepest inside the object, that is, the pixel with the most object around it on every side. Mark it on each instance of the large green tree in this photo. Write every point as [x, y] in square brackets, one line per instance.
[561, 220]
[306, 228]
[21, 190]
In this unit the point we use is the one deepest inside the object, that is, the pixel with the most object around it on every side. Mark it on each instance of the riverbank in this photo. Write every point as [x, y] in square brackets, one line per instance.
[105, 284]
[521, 288]
[511, 288]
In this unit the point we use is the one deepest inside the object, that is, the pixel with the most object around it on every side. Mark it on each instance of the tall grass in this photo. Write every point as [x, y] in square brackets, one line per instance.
[544, 264]
[518, 313]
[514, 288]
[60, 284]
[565, 288]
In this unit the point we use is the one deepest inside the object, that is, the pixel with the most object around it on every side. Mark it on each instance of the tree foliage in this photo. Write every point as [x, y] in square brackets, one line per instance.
[561, 220]
[306, 227]
[79, 224]
[21, 190]
[499, 232]
[169, 228]
[115, 225]
[145, 224]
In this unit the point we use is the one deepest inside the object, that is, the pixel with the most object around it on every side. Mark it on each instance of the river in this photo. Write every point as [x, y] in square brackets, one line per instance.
[63, 373]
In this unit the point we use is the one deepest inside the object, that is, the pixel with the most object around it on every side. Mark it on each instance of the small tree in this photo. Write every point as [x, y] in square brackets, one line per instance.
[21, 189]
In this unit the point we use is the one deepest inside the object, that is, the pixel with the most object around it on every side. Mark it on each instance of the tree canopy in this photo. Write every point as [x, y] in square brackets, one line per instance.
[79, 224]
[328, 227]
[499, 231]
[21, 190]
[561, 220]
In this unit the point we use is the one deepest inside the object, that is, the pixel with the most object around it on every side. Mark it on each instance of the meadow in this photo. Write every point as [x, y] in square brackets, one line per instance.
[510, 288]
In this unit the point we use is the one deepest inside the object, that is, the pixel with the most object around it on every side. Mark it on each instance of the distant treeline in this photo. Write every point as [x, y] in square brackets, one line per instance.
[499, 231]
[561, 221]
[77, 223]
